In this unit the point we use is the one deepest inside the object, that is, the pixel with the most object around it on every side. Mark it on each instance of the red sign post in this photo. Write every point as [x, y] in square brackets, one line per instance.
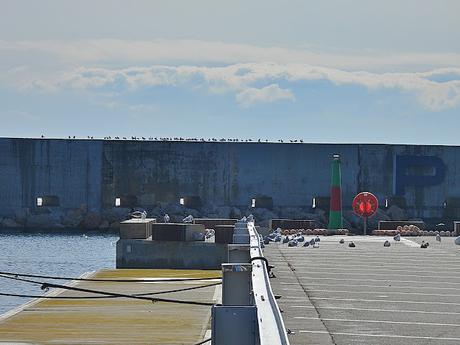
[365, 205]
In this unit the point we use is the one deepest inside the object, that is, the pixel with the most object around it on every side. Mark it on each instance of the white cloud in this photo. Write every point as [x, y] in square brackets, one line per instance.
[267, 94]
[258, 82]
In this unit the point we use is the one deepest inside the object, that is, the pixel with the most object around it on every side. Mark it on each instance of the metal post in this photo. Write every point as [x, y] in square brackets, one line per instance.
[365, 226]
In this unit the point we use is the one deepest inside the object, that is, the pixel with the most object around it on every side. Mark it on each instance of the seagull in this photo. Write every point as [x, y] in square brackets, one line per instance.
[342, 241]
[387, 243]
[424, 244]
[317, 239]
[188, 219]
[208, 233]
[300, 238]
[286, 239]
[312, 241]
[139, 214]
[438, 238]
[278, 238]
[397, 238]
[293, 243]
[306, 244]
[166, 218]
[457, 241]
[351, 244]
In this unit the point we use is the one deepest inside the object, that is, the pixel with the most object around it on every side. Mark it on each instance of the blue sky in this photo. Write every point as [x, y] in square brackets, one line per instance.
[329, 71]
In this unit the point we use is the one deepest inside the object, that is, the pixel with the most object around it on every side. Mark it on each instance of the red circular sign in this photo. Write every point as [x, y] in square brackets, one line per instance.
[365, 204]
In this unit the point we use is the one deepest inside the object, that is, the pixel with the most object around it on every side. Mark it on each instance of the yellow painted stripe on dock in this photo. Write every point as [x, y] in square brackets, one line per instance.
[117, 321]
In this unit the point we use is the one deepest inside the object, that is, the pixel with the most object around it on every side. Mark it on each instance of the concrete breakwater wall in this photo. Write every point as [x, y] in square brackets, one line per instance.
[87, 175]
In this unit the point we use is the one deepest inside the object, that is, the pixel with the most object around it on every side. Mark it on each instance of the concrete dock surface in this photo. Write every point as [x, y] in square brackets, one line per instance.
[118, 320]
[369, 294]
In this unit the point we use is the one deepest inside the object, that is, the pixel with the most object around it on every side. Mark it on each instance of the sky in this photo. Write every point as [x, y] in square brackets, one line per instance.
[341, 71]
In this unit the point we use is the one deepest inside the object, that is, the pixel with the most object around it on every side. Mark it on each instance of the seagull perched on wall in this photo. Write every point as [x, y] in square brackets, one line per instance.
[286, 239]
[139, 214]
[397, 238]
[424, 244]
[188, 219]
[306, 244]
[342, 241]
[351, 244]
[317, 239]
[387, 243]
[166, 218]
[293, 243]
[438, 238]
[209, 233]
[312, 241]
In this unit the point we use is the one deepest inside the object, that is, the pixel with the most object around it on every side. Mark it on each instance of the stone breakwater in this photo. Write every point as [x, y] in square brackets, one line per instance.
[55, 218]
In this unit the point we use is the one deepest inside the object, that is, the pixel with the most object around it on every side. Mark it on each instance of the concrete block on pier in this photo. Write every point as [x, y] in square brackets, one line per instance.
[239, 253]
[170, 254]
[136, 228]
[211, 223]
[178, 232]
[224, 233]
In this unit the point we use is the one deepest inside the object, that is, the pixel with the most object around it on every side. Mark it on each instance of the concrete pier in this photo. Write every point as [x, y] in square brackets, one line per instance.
[370, 294]
[117, 321]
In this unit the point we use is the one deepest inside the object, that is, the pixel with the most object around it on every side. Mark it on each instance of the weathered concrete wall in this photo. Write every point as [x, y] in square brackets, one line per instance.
[69, 169]
[223, 173]
[94, 172]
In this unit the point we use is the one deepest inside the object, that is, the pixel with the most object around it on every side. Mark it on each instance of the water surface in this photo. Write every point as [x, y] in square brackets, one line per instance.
[50, 254]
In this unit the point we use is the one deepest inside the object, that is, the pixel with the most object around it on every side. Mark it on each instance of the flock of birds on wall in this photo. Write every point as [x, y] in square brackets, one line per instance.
[208, 140]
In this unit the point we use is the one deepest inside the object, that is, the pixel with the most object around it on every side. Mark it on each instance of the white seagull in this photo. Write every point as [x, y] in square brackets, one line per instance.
[188, 219]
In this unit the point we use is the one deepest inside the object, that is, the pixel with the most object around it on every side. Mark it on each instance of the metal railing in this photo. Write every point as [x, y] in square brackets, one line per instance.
[270, 322]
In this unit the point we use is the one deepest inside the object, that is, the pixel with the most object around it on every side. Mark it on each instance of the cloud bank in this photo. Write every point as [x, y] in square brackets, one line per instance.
[253, 83]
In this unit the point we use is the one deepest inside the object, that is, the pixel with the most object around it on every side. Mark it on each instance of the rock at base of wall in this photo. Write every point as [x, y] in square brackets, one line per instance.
[373, 222]
[235, 213]
[91, 221]
[21, 216]
[262, 215]
[353, 219]
[115, 214]
[44, 220]
[115, 226]
[104, 225]
[10, 223]
[396, 213]
[73, 218]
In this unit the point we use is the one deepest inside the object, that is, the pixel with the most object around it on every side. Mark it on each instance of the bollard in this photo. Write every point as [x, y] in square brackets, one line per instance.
[236, 284]
[238, 253]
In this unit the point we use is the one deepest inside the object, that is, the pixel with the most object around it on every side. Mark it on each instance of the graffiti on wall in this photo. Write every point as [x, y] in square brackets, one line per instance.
[416, 171]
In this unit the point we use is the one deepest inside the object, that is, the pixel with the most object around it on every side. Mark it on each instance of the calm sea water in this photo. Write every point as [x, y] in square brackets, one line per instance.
[50, 254]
